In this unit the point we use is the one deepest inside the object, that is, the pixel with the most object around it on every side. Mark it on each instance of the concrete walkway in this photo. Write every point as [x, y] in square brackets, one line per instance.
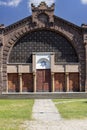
[46, 117]
[45, 110]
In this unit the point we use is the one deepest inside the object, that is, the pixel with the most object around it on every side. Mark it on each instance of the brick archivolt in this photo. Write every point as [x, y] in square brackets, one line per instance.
[71, 33]
[74, 38]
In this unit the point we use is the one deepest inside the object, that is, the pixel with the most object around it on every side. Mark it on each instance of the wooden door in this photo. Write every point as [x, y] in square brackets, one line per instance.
[27, 82]
[13, 83]
[74, 82]
[60, 82]
[43, 80]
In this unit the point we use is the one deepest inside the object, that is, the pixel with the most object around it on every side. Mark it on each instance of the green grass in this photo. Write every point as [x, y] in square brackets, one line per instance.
[72, 108]
[14, 112]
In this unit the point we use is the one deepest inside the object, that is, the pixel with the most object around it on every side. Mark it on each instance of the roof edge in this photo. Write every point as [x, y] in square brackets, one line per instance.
[68, 22]
[20, 22]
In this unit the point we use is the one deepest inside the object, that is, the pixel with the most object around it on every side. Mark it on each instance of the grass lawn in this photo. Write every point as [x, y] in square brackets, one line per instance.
[72, 108]
[14, 112]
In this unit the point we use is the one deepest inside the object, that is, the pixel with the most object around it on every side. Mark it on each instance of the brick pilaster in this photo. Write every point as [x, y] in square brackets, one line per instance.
[86, 69]
[84, 28]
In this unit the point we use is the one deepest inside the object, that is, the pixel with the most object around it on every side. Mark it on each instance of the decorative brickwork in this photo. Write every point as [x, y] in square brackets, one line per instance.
[0, 68]
[43, 14]
[84, 29]
[43, 41]
[1, 56]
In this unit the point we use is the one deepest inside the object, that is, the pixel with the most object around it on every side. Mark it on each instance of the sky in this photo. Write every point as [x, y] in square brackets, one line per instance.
[74, 11]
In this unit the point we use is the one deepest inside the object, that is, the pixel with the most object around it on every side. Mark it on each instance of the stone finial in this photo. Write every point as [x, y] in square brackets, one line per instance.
[84, 25]
[42, 13]
[2, 26]
[42, 6]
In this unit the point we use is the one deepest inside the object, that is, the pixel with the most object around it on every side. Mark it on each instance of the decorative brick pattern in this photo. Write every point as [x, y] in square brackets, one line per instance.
[43, 15]
[42, 41]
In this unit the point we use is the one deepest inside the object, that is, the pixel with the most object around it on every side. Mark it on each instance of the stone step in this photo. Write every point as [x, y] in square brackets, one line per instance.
[61, 95]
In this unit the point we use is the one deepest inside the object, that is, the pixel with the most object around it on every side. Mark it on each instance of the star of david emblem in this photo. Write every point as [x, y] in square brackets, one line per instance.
[43, 63]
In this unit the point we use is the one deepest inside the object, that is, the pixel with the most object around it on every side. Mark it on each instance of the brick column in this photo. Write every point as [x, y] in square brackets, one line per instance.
[20, 82]
[86, 68]
[52, 78]
[67, 81]
[34, 79]
[84, 31]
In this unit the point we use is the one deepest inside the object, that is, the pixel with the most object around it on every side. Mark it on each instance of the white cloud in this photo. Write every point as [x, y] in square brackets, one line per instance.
[12, 3]
[15, 3]
[37, 2]
[84, 1]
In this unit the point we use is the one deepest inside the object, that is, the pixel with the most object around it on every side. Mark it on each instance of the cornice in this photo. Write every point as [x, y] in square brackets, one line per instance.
[29, 18]
[74, 26]
[17, 24]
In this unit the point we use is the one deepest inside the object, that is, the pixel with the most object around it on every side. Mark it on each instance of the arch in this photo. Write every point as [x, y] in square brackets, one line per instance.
[43, 41]
[18, 35]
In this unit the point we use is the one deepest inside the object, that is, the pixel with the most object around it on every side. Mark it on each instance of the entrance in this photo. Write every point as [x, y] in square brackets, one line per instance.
[13, 83]
[74, 82]
[60, 82]
[43, 81]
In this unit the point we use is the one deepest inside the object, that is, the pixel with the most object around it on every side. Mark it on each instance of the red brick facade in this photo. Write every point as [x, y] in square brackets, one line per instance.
[43, 18]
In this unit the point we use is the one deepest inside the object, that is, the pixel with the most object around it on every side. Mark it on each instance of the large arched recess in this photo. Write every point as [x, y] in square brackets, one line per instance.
[12, 42]
[43, 41]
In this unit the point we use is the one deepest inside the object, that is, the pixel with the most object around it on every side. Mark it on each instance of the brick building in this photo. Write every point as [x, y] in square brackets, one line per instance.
[43, 53]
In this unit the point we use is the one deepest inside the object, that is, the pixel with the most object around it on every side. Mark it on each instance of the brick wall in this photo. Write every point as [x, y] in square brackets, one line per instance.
[0, 69]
